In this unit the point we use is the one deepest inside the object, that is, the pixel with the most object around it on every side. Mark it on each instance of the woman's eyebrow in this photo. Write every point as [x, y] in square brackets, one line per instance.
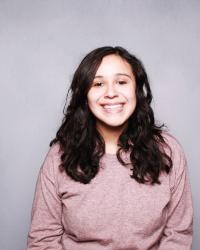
[123, 74]
[98, 77]
[117, 74]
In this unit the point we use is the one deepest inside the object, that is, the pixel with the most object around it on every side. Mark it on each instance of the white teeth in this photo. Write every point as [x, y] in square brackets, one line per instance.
[114, 106]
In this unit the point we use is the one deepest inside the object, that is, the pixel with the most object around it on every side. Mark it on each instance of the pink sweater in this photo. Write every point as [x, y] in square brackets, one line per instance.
[113, 212]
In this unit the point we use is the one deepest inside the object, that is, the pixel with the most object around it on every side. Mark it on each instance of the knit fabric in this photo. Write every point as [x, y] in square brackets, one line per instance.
[113, 211]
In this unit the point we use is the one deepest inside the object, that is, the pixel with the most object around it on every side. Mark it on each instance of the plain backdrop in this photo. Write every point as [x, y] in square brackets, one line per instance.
[42, 43]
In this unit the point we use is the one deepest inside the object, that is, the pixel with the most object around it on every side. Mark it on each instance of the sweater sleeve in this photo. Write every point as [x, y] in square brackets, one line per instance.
[178, 230]
[46, 227]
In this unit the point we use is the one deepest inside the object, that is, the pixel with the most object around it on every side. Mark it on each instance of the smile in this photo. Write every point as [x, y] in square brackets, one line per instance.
[113, 108]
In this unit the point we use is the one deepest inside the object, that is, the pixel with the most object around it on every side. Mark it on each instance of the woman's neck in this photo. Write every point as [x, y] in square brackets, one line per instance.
[111, 137]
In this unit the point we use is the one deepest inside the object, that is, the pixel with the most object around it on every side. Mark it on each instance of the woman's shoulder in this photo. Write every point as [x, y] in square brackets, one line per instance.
[177, 155]
[52, 159]
[54, 150]
[171, 140]
[174, 146]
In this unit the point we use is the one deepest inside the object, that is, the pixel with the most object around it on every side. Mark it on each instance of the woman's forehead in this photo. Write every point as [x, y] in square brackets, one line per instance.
[113, 65]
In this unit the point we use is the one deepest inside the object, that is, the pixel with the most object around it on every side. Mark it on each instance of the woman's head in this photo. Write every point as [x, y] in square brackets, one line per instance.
[110, 88]
[110, 67]
[111, 96]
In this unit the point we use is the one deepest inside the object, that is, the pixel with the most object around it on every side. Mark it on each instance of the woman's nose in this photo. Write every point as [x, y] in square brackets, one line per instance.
[110, 92]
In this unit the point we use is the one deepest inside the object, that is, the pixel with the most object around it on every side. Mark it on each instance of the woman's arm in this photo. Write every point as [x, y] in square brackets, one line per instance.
[46, 227]
[178, 231]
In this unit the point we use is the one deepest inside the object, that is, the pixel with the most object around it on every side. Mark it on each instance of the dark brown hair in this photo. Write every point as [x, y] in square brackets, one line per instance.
[81, 144]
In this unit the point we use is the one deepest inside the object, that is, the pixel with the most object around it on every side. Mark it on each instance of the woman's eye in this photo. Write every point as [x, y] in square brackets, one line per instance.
[122, 82]
[98, 84]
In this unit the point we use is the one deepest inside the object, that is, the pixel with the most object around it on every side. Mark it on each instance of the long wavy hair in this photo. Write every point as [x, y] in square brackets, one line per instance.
[82, 145]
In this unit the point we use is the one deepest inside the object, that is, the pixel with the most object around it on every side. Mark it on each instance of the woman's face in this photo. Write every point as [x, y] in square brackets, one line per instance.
[111, 97]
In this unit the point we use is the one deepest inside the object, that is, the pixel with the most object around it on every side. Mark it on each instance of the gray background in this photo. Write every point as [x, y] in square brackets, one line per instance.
[41, 44]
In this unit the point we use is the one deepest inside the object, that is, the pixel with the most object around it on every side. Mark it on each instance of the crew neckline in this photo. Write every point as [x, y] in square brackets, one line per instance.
[110, 156]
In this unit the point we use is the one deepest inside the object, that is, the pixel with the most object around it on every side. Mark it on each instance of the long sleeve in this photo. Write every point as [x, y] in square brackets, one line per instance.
[178, 230]
[46, 228]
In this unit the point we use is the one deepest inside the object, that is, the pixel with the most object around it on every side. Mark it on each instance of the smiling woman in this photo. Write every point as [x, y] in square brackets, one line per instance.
[113, 178]
[111, 97]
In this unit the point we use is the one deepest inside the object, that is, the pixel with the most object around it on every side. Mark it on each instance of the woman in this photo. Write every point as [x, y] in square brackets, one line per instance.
[112, 178]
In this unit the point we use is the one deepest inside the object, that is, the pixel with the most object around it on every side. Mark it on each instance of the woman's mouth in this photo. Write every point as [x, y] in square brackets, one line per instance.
[113, 108]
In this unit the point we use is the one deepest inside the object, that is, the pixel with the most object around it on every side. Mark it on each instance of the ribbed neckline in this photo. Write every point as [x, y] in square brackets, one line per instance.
[109, 154]
[110, 157]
